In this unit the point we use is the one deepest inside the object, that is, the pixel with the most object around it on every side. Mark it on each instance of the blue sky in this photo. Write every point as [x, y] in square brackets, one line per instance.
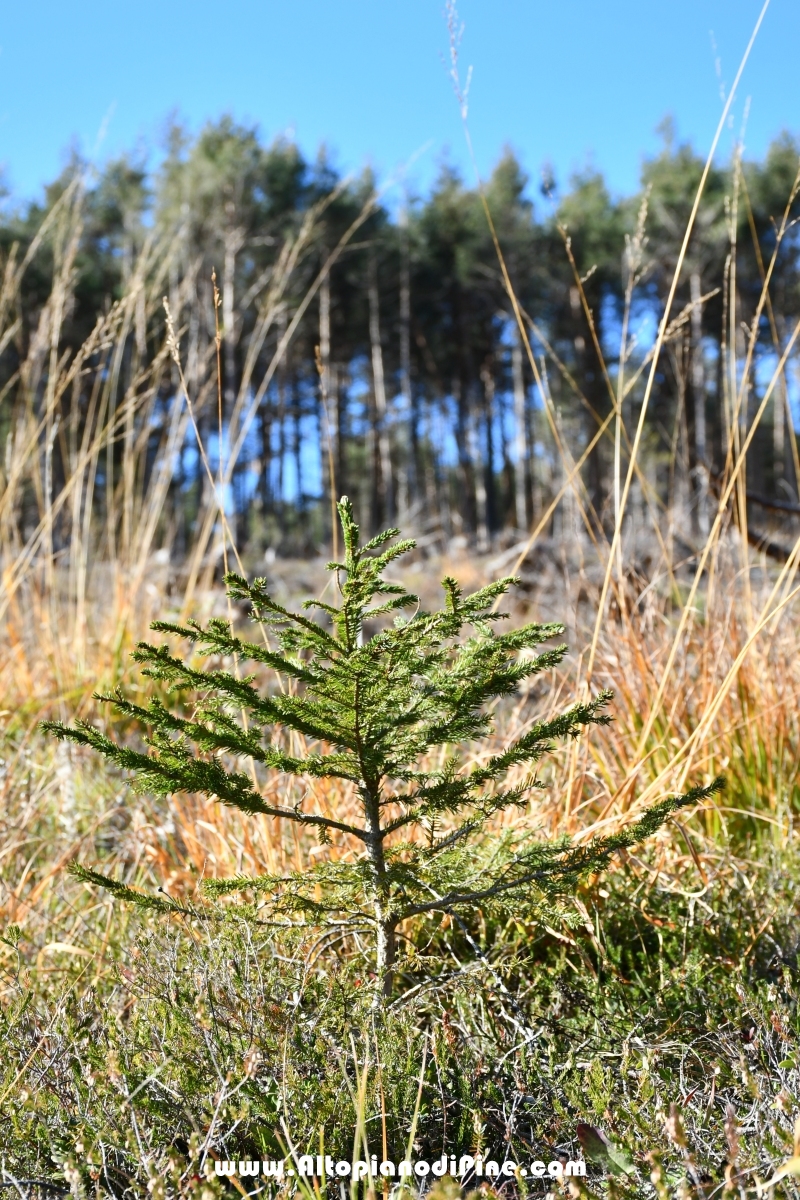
[570, 82]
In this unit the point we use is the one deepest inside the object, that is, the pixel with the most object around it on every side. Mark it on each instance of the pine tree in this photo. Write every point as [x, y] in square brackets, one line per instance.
[372, 692]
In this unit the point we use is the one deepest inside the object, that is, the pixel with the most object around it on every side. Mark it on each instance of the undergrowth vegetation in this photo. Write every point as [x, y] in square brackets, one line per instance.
[651, 1022]
[140, 1047]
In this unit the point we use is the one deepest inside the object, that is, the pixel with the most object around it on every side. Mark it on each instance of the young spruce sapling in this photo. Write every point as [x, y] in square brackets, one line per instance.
[373, 687]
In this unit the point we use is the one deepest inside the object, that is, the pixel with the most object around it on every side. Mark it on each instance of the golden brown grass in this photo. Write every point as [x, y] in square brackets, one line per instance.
[703, 657]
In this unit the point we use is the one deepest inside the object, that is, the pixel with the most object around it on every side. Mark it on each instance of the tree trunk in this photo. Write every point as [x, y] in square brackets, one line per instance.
[298, 446]
[408, 482]
[385, 942]
[386, 483]
[232, 244]
[328, 439]
[520, 439]
[265, 424]
[779, 410]
[325, 329]
[466, 444]
[340, 381]
[385, 953]
[700, 473]
[281, 420]
[488, 471]
[479, 477]
[371, 507]
[594, 390]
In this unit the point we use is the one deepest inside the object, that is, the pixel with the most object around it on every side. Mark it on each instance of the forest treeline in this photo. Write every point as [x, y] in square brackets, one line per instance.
[367, 343]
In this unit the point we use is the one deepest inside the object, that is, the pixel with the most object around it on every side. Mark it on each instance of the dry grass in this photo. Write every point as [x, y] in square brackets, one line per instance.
[701, 653]
[67, 808]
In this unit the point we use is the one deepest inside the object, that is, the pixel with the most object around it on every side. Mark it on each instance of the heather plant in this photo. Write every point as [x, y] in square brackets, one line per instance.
[373, 692]
[203, 1047]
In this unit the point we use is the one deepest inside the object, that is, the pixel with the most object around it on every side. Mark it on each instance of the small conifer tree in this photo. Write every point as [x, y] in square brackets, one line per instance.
[372, 692]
